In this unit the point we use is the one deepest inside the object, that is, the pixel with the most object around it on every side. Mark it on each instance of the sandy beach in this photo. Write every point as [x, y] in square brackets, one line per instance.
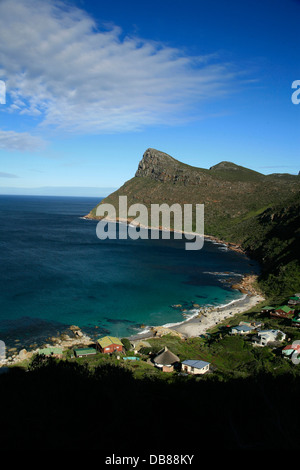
[200, 324]
[206, 318]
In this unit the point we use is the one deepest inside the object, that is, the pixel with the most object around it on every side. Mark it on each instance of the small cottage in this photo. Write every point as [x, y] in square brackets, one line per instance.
[166, 360]
[241, 330]
[109, 344]
[267, 309]
[84, 352]
[296, 320]
[195, 367]
[295, 300]
[283, 312]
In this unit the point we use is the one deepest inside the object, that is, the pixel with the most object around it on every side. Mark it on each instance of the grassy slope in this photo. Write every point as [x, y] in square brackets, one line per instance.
[273, 237]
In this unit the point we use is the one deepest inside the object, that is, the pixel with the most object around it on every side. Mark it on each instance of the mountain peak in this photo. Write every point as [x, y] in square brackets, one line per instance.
[153, 159]
[227, 166]
[162, 167]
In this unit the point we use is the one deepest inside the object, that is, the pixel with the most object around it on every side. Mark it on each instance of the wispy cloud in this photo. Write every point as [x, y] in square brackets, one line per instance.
[20, 141]
[78, 76]
[7, 175]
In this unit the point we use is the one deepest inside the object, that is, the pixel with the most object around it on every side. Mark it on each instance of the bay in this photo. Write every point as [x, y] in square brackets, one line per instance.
[55, 272]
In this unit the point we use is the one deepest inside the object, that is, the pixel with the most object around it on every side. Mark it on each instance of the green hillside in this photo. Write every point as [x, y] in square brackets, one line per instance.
[273, 238]
[259, 212]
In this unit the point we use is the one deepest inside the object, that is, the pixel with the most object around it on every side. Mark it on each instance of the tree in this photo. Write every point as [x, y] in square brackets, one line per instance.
[126, 343]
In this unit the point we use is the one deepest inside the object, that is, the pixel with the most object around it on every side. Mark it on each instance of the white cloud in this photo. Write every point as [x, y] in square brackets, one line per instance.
[62, 68]
[20, 141]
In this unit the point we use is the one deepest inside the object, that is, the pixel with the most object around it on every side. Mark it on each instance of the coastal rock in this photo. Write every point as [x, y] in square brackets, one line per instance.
[65, 337]
[239, 287]
[76, 330]
[162, 331]
[247, 285]
[24, 354]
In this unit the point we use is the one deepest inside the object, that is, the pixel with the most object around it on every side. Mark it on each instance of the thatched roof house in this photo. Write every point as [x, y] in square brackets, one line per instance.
[166, 360]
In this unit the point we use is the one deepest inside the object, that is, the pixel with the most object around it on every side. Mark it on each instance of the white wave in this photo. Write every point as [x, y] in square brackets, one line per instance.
[232, 302]
[216, 273]
[147, 329]
[191, 314]
[194, 313]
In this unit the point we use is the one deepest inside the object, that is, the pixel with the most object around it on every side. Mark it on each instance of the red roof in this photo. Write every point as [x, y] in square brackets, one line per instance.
[296, 347]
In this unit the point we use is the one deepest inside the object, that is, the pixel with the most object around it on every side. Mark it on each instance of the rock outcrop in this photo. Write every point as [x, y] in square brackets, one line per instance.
[162, 167]
[159, 331]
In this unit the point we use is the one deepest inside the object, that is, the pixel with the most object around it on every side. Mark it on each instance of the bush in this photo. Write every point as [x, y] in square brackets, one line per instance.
[126, 343]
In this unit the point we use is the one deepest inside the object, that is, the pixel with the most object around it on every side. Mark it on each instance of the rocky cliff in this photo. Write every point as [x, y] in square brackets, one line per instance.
[162, 167]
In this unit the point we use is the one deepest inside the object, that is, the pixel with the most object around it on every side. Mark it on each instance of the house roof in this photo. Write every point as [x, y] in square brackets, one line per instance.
[84, 351]
[270, 333]
[289, 347]
[284, 308]
[166, 357]
[242, 328]
[195, 363]
[108, 341]
[50, 350]
[268, 308]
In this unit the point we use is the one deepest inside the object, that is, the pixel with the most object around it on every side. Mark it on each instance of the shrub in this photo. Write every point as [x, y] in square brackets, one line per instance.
[126, 343]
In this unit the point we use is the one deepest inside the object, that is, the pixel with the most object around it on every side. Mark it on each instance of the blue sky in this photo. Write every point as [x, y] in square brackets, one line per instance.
[91, 85]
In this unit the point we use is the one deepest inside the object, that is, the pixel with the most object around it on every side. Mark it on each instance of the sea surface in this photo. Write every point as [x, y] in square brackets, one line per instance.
[55, 272]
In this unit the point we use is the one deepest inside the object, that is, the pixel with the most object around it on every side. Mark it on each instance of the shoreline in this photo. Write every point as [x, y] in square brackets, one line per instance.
[203, 322]
[212, 238]
[206, 318]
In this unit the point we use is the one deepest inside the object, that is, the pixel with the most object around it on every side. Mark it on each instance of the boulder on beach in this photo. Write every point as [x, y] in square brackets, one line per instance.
[162, 331]
[76, 330]
[24, 354]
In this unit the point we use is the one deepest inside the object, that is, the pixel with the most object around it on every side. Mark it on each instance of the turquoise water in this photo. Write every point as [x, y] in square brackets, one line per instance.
[55, 272]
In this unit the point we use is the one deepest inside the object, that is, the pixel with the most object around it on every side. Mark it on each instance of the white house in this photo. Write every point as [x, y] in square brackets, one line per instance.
[264, 337]
[194, 366]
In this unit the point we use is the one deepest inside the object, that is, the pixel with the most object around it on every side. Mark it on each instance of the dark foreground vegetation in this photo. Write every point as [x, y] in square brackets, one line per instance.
[66, 405]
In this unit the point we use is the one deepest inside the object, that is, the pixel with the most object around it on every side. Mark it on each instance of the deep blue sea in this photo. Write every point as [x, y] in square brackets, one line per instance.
[55, 272]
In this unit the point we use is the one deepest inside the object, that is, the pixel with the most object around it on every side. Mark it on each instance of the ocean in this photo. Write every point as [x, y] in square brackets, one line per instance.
[55, 272]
